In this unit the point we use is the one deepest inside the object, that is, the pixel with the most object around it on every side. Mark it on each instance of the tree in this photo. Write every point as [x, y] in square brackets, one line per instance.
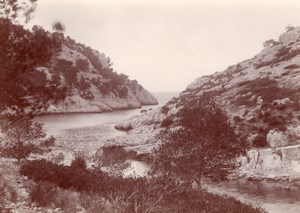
[16, 9]
[22, 136]
[203, 145]
[58, 26]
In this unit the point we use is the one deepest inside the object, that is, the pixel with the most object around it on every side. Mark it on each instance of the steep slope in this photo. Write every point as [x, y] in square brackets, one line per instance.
[92, 85]
[261, 97]
[56, 74]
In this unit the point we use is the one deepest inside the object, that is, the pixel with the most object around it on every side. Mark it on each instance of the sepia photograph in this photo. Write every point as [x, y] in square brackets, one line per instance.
[149, 106]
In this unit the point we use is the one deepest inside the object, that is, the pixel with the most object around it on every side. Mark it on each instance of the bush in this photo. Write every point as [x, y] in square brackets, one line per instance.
[160, 194]
[237, 119]
[47, 194]
[79, 163]
[49, 141]
[259, 141]
[82, 64]
[166, 122]
[93, 203]
[165, 109]
[7, 193]
[63, 176]
[292, 66]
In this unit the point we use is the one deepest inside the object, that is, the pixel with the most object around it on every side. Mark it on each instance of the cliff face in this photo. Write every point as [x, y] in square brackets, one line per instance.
[96, 87]
[63, 75]
[261, 97]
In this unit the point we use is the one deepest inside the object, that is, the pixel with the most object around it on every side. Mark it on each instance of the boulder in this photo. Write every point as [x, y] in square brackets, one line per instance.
[277, 139]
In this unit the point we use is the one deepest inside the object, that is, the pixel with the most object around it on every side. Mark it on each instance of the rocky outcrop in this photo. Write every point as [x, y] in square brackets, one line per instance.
[277, 139]
[95, 87]
[51, 73]
[261, 97]
[272, 163]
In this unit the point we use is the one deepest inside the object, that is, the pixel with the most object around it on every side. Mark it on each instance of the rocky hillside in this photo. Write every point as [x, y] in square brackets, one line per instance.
[60, 75]
[261, 95]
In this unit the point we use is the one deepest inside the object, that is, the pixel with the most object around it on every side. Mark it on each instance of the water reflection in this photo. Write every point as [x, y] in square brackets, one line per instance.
[271, 196]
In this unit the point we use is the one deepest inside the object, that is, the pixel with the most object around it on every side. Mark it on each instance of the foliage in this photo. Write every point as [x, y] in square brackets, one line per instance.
[122, 91]
[49, 195]
[7, 192]
[259, 141]
[114, 158]
[165, 109]
[21, 52]
[79, 162]
[69, 71]
[82, 64]
[94, 58]
[115, 154]
[283, 54]
[13, 9]
[160, 194]
[22, 136]
[48, 142]
[64, 176]
[292, 66]
[204, 145]
[166, 122]
[265, 88]
[58, 26]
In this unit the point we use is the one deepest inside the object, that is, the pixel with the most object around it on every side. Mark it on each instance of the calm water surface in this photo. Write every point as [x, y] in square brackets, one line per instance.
[54, 124]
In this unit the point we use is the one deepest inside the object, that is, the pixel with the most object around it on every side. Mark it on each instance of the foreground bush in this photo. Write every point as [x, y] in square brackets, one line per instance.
[49, 195]
[100, 192]
[66, 177]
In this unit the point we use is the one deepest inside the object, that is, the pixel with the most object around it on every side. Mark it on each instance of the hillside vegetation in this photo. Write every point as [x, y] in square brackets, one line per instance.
[260, 95]
[53, 73]
[261, 98]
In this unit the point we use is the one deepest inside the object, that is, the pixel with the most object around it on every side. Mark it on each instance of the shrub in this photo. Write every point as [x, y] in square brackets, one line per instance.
[63, 176]
[82, 84]
[237, 119]
[165, 109]
[50, 195]
[122, 91]
[292, 66]
[49, 141]
[79, 163]
[282, 107]
[69, 71]
[166, 122]
[259, 141]
[115, 159]
[160, 194]
[82, 64]
[93, 203]
[23, 136]
[7, 193]
[283, 51]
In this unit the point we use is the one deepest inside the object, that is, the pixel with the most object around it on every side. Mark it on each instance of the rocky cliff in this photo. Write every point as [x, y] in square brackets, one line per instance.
[261, 97]
[93, 89]
[57, 74]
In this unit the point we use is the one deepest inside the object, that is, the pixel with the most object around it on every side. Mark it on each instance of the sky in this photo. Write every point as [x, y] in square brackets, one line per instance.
[166, 44]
